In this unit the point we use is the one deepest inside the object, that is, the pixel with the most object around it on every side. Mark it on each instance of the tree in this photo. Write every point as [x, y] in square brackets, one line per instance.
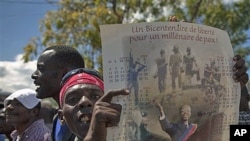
[76, 22]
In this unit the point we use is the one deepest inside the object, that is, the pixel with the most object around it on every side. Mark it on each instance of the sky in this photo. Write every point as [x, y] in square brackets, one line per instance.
[19, 22]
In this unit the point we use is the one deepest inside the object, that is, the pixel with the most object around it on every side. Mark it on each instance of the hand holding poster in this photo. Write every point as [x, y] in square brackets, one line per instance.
[180, 78]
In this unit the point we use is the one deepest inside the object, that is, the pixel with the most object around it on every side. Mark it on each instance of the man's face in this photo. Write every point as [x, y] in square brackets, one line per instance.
[17, 114]
[185, 113]
[5, 128]
[78, 107]
[46, 77]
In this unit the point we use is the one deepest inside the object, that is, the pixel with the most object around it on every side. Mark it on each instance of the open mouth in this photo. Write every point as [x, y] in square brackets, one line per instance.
[85, 118]
[37, 85]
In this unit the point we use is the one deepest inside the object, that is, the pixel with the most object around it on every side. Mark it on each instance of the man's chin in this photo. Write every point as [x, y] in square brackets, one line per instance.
[38, 92]
[39, 95]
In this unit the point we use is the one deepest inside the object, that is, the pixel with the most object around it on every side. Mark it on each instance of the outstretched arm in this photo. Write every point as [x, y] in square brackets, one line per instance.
[160, 108]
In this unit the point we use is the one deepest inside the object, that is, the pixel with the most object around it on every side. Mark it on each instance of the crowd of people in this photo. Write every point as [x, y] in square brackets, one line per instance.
[85, 110]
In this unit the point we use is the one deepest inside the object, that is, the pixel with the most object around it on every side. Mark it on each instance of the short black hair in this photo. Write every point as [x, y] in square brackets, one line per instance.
[67, 56]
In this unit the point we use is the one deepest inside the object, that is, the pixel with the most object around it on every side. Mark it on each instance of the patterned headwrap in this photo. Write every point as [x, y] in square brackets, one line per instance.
[80, 78]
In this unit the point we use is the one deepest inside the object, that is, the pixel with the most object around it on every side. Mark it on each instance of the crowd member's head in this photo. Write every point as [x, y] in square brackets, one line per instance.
[22, 108]
[185, 112]
[22, 111]
[52, 65]
[176, 49]
[80, 90]
[5, 128]
[47, 112]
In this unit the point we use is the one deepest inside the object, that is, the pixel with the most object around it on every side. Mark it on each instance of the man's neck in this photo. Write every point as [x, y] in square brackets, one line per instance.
[22, 127]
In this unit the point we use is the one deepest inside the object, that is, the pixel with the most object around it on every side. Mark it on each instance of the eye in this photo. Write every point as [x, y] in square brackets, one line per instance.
[40, 68]
[15, 104]
[72, 100]
[95, 96]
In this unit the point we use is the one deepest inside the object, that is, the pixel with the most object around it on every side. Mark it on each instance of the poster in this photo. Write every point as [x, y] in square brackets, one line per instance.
[171, 64]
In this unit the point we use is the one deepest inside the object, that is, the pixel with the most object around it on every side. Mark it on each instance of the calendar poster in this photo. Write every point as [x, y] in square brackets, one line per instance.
[183, 70]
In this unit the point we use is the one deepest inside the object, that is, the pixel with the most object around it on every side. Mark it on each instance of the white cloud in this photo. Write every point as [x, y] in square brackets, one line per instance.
[230, 1]
[16, 75]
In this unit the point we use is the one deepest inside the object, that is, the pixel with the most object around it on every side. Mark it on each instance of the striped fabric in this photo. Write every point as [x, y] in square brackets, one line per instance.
[37, 131]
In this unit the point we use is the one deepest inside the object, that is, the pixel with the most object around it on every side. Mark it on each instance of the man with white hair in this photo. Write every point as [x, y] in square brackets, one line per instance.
[22, 111]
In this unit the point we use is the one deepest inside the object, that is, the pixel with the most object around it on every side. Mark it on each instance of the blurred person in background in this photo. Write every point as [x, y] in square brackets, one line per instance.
[47, 112]
[22, 111]
[5, 128]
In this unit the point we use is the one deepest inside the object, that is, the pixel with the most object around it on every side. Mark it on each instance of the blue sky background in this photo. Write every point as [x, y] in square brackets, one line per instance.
[19, 22]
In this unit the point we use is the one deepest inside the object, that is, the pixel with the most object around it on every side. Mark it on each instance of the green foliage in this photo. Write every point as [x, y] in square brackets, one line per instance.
[76, 22]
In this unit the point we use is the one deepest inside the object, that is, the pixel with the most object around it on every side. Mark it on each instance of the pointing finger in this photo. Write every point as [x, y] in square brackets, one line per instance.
[112, 93]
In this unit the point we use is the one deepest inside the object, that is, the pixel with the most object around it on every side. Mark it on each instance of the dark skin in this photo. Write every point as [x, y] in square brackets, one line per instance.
[19, 116]
[240, 71]
[54, 62]
[6, 128]
[48, 76]
[88, 111]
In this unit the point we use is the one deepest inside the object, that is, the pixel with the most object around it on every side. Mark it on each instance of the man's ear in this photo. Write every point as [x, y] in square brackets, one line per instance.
[35, 111]
[62, 72]
[61, 116]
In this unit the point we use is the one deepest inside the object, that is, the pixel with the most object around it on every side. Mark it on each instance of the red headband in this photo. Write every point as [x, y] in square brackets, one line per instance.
[80, 78]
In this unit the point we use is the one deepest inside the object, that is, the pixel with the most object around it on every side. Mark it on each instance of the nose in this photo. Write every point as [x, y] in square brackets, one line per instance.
[34, 75]
[85, 102]
[8, 107]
